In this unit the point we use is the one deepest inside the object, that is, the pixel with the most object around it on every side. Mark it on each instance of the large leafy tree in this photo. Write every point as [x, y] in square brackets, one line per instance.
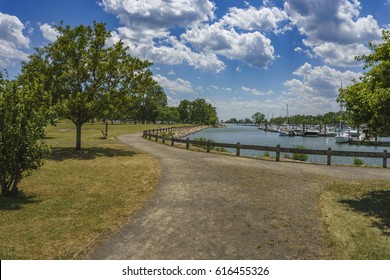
[197, 111]
[148, 103]
[86, 78]
[258, 118]
[23, 117]
[367, 101]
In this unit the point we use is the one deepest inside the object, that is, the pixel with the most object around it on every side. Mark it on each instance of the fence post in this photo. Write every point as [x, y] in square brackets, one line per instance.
[163, 140]
[156, 137]
[150, 134]
[329, 156]
[208, 146]
[187, 143]
[172, 141]
[238, 149]
[278, 152]
[385, 158]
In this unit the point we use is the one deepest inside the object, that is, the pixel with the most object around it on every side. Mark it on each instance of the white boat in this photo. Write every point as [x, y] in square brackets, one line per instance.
[286, 132]
[311, 133]
[343, 137]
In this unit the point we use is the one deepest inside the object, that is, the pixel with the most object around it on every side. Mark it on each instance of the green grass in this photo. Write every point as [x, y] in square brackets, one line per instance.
[78, 197]
[357, 218]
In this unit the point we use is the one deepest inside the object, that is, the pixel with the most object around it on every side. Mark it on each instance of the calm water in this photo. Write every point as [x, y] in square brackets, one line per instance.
[252, 136]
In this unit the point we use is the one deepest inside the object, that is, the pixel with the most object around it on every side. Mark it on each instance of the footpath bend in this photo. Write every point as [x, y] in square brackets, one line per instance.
[211, 206]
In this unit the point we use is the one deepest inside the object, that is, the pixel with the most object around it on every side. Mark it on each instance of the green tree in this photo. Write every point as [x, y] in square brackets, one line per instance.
[367, 101]
[86, 78]
[202, 113]
[185, 111]
[147, 104]
[22, 130]
[258, 118]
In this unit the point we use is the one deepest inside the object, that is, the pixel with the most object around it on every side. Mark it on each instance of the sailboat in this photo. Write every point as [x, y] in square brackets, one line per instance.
[342, 136]
[285, 130]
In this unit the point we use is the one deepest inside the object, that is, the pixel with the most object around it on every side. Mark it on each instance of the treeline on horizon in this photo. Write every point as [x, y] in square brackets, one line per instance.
[330, 118]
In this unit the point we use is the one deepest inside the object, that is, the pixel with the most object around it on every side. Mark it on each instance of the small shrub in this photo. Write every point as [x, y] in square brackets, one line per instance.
[166, 134]
[202, 140]
[220, 149]
[266, 154]
[298, 156]
[287, 156]
[358, 162]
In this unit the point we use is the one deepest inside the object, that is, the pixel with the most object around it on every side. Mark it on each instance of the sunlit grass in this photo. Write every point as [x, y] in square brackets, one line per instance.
[78, 197]
[357, 216]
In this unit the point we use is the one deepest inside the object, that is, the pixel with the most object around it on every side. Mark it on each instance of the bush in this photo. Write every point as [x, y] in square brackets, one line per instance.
[358, 162]
[266, 154]
[220, 149]
[202, 140]
[298, 156]
[22, 123]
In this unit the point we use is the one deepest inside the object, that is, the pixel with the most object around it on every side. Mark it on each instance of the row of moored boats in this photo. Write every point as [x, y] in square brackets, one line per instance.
[341, 135]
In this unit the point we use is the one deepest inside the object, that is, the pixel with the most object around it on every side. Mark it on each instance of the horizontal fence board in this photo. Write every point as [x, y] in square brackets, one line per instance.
[304, 151]
[357, 154]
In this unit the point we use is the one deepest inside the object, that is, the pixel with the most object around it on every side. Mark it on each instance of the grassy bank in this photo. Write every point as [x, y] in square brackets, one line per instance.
[357, 217]
[78, 197]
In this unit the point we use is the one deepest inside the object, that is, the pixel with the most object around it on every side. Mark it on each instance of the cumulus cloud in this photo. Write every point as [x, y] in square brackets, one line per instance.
[158, 14]
[256, 92]
[12, 40]
[174, 86]
[147, 27]
[264, 18]
[334, 30]
[319, 83]
[146, 30]
[252, 48]
[48, 32]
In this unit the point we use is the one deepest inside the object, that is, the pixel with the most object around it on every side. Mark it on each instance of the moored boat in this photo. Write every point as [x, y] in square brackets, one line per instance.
[343, 137]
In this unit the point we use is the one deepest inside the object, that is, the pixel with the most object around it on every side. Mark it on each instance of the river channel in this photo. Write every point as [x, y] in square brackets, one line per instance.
[251, 135]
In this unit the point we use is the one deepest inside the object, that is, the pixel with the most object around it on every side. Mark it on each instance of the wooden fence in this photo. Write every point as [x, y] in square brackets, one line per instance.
[329, 153]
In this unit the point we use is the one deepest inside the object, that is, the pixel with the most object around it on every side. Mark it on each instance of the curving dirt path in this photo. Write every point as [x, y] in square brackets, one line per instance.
[210, 206]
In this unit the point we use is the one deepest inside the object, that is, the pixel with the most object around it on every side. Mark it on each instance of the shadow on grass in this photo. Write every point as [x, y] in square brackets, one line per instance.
[12, 203]
[64, 153]
[375, 204]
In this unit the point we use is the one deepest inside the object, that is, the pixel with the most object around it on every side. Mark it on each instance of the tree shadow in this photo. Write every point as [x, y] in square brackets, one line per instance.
[375, 204]
[64, 153]
[15, 202]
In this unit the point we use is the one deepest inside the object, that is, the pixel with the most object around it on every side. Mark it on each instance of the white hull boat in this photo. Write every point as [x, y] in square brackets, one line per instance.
[343, 137]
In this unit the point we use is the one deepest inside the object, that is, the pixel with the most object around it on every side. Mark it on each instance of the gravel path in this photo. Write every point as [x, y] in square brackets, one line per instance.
[210, 206]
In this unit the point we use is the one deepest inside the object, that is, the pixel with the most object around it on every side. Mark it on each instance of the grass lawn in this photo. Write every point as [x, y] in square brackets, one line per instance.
[357, 216]
[78, 197]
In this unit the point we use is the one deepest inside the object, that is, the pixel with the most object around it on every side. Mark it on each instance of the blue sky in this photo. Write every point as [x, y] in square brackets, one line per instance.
[241, 56]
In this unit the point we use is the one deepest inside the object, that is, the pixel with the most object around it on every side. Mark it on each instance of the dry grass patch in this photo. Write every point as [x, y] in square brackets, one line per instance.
[77, 198]
[357, 216]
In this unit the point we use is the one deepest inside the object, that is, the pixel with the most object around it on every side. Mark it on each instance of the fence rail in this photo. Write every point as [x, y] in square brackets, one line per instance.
[329, 153]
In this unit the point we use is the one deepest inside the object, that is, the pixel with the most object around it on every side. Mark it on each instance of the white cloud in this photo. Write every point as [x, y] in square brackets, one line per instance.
[264, 18]
[147, 29]
[48, 32]
[174, 86]
[173, 102]
[158, 14]
[333, 29]
[340, 55]
[316, 88]
[251, 48]
[256, 92]
[12, 40]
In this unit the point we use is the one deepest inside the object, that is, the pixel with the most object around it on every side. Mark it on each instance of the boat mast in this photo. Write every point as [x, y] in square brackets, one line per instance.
[287, 115]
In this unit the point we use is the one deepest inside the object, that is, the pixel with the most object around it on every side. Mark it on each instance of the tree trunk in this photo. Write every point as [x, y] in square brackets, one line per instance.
[3, 187]
[78, 136]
